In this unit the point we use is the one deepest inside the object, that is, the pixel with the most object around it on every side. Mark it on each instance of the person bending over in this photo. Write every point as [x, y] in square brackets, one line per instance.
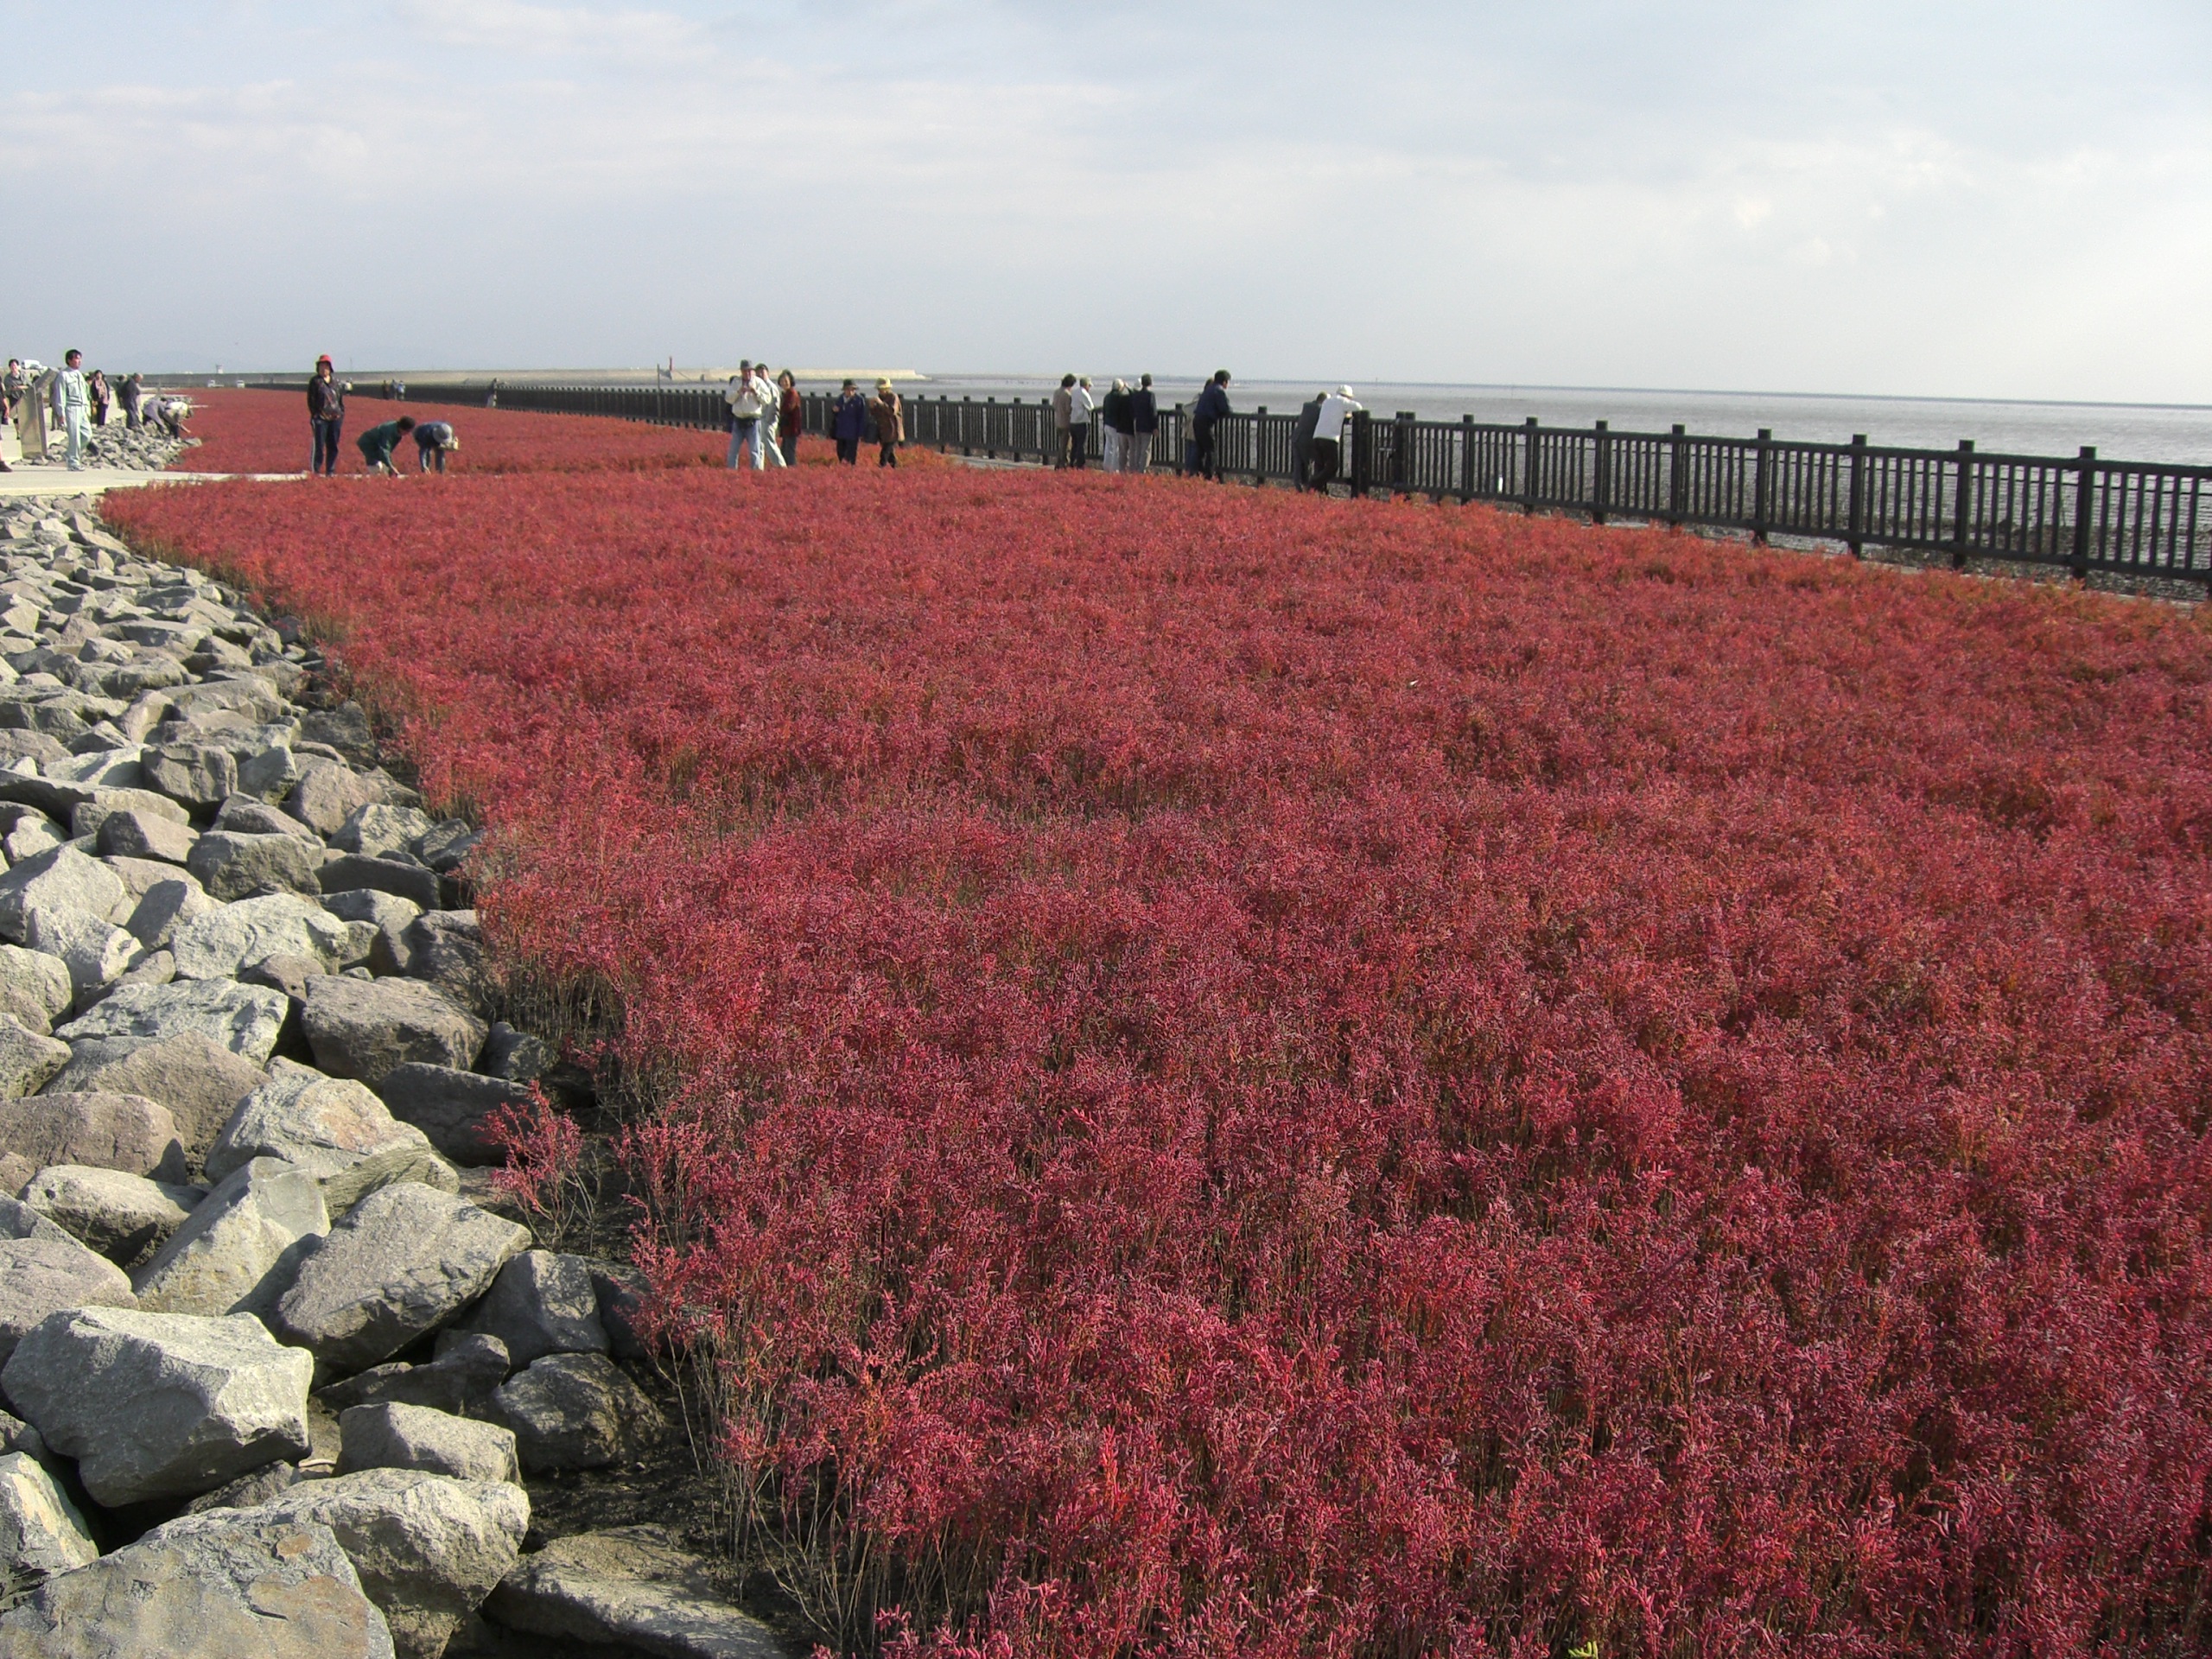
[434, 442]
[378, 442]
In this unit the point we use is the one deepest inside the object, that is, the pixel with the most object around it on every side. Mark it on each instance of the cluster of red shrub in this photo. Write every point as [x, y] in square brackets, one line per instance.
[1267, 1077]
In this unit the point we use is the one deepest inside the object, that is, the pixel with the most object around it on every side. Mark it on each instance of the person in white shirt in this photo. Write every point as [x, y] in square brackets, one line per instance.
[72, 404]
[766, 452]
[1080, 405]
[746, 407]
[1337, 408]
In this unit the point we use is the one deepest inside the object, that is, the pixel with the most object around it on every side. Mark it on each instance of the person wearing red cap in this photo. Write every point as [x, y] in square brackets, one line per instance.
[327, 417]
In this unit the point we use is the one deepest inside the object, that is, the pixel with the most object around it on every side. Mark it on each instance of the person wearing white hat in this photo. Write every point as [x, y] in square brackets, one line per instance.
[1337, 408]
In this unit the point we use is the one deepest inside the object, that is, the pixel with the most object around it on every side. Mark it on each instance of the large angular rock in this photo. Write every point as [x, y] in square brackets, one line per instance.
[350, 872]
[198, 778]
[386, 911]
[234, 1583]
[164, 908]
[95, 951]
[446, 948]
[268, 773]
[41, 1532]
[459, 1381]
[142, 835]
[241, 1245]
[543, 1303]
[429, 1548]
[389, 1436]
[27, 1061]
[35, 989]
[245, 1018]
[362, 1028]
[574, 1411]
[453, 1107]
[345, 728]
[118, 1215]
[234, 937]
[628, 1589]
[89, 818]
[622, 1290]
[257, 1486]
[401, 1264]
[124, 1132]
[60, 880]
[242, 816]
[332, 1128]
[199, 1081]
[445, 846]
[233, 866]
[327, 795]
[377, 831]
[42, 1275]
[160, 1405]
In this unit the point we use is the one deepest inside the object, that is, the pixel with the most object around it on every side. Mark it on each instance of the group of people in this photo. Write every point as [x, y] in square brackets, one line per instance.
[767, 418]
[1128, 418]
[39, 402]
[434, 440]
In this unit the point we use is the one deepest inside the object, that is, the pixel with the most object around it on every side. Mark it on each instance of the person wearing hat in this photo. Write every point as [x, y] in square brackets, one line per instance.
[849, 424]
[434, 442]
[326, 418]
[1328, 434]
[890, 423]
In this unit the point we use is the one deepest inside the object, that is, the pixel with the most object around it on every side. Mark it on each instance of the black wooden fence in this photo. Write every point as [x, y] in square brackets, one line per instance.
[2080, 514]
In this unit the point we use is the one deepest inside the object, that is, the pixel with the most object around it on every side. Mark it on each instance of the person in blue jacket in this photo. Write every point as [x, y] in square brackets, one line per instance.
[848, 424]
[434, 442]
[1212, 404]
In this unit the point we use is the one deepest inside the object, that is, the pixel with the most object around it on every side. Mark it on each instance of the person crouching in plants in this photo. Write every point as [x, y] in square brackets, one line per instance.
[379, 442]
[434, 442]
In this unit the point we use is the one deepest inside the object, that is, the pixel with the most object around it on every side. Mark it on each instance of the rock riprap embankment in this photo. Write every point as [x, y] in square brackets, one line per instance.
[278, 1371]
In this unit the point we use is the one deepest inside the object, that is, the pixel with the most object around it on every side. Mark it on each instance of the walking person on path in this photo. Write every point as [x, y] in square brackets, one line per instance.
[434, 442]
[746, 408]
[15, 386]
[1301, 441]
[1144, 422]
[1081, 407]
[848, 424]
[1114, 435]
[73, 407]
[1062, 400]
[326, 418]
[1212, 404]
[1328, 434]
[31, 428]
[890, 423]
[378, 443]
[791, 416]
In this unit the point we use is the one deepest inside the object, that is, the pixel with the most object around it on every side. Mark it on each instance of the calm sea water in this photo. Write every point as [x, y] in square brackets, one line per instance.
[2120, 431]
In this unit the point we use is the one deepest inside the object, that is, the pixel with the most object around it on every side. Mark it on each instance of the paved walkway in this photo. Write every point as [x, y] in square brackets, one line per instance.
[96, 480]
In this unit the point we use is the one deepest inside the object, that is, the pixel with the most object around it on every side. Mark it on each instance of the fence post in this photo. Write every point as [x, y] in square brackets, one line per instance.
[1402, 454]
[1678, 478]
[1362, 453]
[991, 452]
[1466, 459]
[2085, 503]
[1182, 442]
[1759, 483]
[1963, 518]
[1601, 473]
[1528, 466]
[1259, 445]
[1856, 539]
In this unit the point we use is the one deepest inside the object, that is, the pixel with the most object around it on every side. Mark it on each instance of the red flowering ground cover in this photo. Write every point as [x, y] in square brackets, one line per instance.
[1270, 1077]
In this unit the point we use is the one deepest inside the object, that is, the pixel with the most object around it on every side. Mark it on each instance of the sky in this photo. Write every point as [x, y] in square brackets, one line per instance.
[1907, 197]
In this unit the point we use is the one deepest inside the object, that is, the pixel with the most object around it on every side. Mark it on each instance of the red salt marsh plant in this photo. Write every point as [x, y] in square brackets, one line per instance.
[1264, 1077]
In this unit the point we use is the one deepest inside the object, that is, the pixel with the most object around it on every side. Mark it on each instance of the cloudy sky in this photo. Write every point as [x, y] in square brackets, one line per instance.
[1999, 198]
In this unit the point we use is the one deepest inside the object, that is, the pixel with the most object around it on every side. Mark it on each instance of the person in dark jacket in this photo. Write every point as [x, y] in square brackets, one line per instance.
[1144, 422]
[1301, 441]
[434, 442]
[890, 423]
[134, 393]
[791, 416]
[1115, 411]
[1212, 404]
[326, 418]
[849, 424]
[378, 443]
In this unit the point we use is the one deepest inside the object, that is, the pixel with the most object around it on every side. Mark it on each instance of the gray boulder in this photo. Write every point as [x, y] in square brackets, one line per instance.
[429, 1548]
[362, 1028]
[345, 728]
[392, 1436]
[459, 1381]
[327, 795]
[233, 865]
[405, 1261]
[268, 773]
[445, 845]
[351, 872]
[234, 1583]
[35, 989]
[159, 1405]
[164, 908]
[196, 778]
[574, 1411]
[245, 1018]
[124, 1132]
[41, 1532]
[239, 1248]
[621, 1292]
[377, 831]
[257, 1486]
[629, 1589]
[89, 817]
[333, 1128]
[201, 1082]
[284, 973]
[141, 834]
[42, 1275]
[96, 951]
[446, 947]
[453, 1107]
[119, 1215]
[62, 878]
[27, 1061]
[243, 816]
[233, 936]
[543, 1303]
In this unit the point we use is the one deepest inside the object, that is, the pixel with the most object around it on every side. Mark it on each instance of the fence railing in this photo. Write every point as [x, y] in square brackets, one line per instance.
[2081, 513]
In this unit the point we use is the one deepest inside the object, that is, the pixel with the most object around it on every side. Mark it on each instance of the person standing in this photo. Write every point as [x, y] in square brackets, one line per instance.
[1081, 407]
[791, 416]
[1114, 435]
[134, 395]
[15, 386]
[326, 418]
[73, 406]
[848, 424]
[1328, 435]
[95, 384]
[434, 442]
[1301, 441]
[745, 409]
[378, 443]
[1144, 422]
[890, 423]
[32, 429]
[1062, 400]
[1212, 405]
